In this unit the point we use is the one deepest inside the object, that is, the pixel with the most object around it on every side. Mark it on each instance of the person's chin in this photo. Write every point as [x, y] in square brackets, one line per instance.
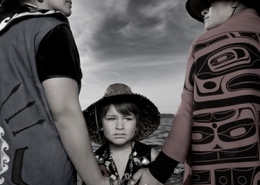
[207, 27]
[119, 142]
[67, 13]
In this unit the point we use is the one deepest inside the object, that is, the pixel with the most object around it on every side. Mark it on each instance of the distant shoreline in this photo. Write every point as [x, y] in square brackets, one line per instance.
[167, 115]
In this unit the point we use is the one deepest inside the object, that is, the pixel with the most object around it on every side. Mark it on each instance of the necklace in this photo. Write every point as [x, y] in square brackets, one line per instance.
[128, 174]
[135, 161]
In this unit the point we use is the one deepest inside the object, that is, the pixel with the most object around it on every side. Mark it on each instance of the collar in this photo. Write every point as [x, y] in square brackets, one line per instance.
[33, 12]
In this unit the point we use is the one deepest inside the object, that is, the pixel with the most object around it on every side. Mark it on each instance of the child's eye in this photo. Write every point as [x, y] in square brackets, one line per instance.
[110, 119]
[129, 118]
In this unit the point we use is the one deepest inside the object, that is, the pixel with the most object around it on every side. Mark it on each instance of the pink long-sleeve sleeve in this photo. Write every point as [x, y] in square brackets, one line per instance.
[178, 141]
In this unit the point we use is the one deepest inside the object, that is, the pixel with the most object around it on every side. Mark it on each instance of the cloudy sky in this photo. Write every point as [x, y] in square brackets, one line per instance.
[142, 43]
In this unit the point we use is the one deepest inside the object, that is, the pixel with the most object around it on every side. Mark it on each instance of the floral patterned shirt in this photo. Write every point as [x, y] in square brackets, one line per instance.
[139, 158]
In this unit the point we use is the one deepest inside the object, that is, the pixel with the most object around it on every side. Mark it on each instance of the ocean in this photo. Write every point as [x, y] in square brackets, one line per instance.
[156, 140]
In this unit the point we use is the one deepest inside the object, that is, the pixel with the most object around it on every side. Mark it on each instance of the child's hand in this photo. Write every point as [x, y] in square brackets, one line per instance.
[145, 178]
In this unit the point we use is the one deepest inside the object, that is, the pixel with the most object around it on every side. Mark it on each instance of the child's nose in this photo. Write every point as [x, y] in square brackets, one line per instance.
[120, 124]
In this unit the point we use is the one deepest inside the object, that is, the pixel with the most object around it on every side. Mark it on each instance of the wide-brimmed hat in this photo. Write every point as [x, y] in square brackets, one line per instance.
[150, 113]
[195, 7]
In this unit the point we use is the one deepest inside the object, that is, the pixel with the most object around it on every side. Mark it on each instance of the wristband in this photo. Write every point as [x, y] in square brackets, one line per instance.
[162, 167]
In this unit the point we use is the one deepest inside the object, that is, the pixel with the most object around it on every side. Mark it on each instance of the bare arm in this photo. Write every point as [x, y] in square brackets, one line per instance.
[154, 154]
[62, 97]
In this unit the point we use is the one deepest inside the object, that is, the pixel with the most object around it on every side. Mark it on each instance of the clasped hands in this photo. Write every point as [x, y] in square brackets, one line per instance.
[145, 178]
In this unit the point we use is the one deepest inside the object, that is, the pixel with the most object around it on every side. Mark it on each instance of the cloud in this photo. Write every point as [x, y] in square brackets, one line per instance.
[143, 43]
[126, 27]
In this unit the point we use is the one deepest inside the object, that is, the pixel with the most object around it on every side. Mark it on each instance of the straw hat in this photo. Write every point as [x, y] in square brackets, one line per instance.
[195, 7]
[150, 114]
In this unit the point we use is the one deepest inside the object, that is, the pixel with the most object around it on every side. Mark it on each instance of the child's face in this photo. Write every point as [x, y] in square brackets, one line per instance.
[118, 129]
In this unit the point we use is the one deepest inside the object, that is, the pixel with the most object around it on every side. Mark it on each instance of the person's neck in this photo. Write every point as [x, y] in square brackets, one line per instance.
[121, 149]
[239, 8]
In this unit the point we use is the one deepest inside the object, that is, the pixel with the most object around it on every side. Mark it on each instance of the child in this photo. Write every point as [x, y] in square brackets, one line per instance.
[119, 121]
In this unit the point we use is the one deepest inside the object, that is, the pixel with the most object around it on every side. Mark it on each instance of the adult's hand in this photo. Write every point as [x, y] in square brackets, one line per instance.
[145, 177]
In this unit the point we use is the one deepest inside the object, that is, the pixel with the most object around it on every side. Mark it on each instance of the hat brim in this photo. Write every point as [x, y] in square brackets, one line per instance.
[195, 7]
[150, 116]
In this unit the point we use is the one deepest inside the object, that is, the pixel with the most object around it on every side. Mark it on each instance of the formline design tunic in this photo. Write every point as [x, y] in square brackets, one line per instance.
[216, 128]
[31, 152]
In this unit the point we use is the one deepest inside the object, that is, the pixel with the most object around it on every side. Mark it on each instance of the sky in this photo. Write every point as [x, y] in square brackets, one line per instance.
[142, 43]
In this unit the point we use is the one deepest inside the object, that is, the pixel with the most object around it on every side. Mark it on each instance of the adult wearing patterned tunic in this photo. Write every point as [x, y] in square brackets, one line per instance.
[43, 135]
[216, 128]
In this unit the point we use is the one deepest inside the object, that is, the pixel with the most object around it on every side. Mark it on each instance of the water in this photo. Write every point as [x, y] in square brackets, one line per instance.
[156, 140]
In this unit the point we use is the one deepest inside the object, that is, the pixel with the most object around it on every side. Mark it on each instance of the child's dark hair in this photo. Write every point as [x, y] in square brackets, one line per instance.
[124, 108]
